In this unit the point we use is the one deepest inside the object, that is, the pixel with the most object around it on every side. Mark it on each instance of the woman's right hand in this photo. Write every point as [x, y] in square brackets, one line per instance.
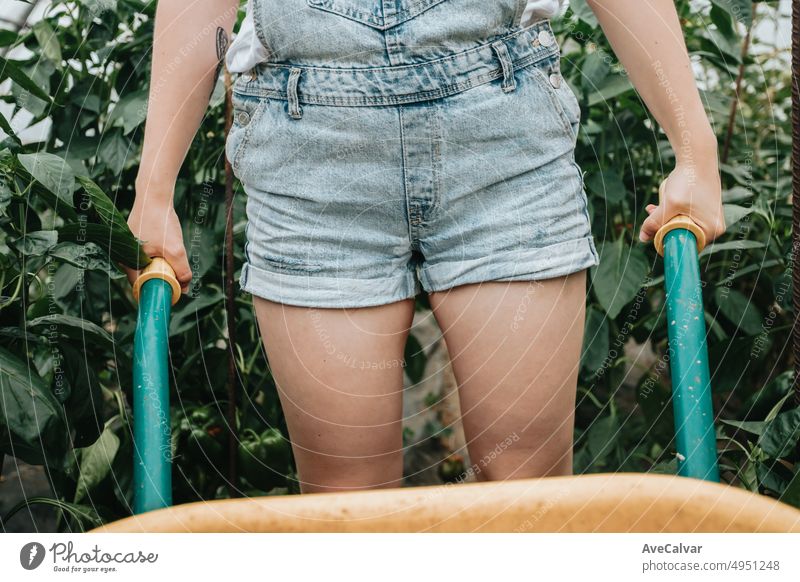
[157, 225]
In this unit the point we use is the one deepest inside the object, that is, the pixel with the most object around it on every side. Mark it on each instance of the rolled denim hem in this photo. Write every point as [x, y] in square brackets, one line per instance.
[524, 265]
[307, 290]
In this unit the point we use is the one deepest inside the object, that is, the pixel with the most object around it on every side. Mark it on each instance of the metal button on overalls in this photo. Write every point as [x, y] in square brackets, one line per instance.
[555, 80]
[545, 38]
[243, 118]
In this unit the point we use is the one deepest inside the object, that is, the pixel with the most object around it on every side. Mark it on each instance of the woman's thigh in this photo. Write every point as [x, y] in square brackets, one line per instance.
[515, 349]
[339, 375]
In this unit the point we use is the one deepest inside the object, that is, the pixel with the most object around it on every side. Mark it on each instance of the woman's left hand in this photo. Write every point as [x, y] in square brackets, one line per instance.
[693, 191]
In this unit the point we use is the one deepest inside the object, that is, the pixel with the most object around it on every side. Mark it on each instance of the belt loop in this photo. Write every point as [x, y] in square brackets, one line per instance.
[501, 50]
[291, 91]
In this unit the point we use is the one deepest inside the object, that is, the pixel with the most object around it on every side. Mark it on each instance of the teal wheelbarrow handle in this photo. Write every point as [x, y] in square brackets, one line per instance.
[156, 289]
[679, 241]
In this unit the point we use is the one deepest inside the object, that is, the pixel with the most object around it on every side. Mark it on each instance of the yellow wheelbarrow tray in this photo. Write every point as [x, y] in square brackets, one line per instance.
[607, 503]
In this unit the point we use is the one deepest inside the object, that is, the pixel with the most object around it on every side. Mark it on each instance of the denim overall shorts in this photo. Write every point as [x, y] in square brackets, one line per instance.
[388, 146]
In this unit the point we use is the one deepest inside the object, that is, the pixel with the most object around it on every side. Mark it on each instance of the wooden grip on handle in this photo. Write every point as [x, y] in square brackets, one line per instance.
[158, 268]
[679, 221]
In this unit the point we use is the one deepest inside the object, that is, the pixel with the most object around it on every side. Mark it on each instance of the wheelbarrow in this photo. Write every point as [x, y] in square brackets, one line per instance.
[692, 501]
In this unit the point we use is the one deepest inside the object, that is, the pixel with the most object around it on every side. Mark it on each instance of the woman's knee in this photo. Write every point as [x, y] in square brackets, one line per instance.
[533, 454]
[336, 475]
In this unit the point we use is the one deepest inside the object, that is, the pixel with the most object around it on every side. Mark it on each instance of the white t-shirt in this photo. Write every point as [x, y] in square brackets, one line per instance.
[246, 50]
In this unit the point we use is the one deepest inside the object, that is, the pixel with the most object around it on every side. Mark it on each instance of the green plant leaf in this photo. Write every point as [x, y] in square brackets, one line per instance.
[103, 205]
[772, 476]
[781, 435]
[64, 281]
[608, 184]
[72, 327]
[595, 340]
[6, 128]
[582, 10]
[594, 71]
[415, 359]
[665, 467]
[84, 405]
[122, 247]
[89, 257]
[97, 7]
[619, 276]
[35, 243]
[612, 86]
[751, 426]
[8, 37]
[115, 151]
[96, 461]
[760, 403]
[5, 197]
[736, 194]
[738, 245]
[791, 494]
[48, 41]
[740, 10]
[734, 213]
[601, 438]
[52, 172]
[739, 310]
[185, 317]
[723, 21]
[11, 70]
[130, 111]
[32, 425]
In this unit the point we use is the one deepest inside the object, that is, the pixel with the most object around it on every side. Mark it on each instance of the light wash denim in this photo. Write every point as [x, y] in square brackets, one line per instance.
[388, 147]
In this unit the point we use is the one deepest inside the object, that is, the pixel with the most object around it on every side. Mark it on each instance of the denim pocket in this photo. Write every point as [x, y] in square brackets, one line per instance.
[247, 110]
[563, 98]
[372, 13]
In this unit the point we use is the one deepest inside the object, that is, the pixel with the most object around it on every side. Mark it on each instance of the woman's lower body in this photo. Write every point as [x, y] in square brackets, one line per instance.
[515, 349]
[355, 206]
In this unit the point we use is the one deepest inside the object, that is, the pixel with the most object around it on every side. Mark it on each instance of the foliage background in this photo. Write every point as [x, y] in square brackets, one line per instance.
[79, 77]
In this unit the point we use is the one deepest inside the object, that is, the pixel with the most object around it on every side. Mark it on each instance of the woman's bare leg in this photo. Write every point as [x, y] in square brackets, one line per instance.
[340, 379]
[515, 349]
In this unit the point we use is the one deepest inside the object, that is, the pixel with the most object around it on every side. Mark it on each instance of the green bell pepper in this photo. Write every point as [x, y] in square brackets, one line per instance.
[264, 459]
